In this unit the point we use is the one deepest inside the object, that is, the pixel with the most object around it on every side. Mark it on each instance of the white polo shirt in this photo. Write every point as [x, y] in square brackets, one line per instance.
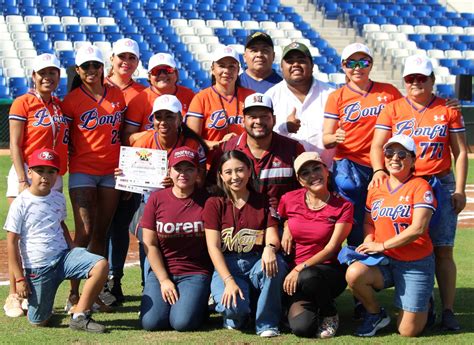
[310, 112]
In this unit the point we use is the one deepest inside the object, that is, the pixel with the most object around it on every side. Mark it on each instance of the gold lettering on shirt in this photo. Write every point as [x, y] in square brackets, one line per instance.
[243, 241]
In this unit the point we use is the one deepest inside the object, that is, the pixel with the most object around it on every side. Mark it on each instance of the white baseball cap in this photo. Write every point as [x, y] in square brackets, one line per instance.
[88, 53]
[355, 48]
[404, 140]
[44, 61]
[418, 64]
[306, 157]
[257, 100]
[167, 102]
[126, 45]
[161, 59]
[225, 51]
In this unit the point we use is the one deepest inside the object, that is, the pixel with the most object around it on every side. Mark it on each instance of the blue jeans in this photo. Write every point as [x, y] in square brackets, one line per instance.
[187, 314]
[351, 180]
[246, 268]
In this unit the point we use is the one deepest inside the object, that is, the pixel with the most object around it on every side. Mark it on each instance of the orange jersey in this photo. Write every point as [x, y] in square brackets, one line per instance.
[392, 212]
[130, 91]
[139, 112]
[38, 131]
[95, 130]
[429, 127]
[357, 114]
[219, 114]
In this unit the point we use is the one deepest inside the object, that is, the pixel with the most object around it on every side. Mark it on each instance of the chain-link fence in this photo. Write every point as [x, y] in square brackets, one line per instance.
[4, 134]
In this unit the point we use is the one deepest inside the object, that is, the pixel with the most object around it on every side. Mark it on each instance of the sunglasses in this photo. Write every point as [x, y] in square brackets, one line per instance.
[402, 154]
[420, 78]
[86, 65]
[166, 70]
[364, 63]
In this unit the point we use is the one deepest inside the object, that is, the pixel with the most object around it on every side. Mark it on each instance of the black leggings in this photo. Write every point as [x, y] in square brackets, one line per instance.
[317, 288]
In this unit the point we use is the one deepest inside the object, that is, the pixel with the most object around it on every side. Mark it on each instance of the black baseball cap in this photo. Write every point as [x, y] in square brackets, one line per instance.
[259, 36]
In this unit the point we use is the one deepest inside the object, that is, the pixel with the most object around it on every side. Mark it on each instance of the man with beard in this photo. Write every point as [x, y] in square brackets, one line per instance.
[299, 101]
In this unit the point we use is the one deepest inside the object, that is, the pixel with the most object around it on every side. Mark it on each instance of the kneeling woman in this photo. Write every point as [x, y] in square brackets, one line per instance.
[177, 285]
[318, 222]
[242, 240]
[399, 212]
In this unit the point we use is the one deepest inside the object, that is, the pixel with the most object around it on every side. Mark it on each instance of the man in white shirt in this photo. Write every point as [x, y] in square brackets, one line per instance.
[299, 101]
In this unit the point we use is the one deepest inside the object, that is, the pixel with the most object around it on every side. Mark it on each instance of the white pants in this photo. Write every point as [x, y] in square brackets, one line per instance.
[13, 185]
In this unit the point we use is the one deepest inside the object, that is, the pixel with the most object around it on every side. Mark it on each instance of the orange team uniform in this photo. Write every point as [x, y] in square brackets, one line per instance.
[217, 122]
[139, 109]
[429, 127]
[38, 132]
[357, 114]
[95, 130]
[392, 212]
[149, 140]
[129, 91]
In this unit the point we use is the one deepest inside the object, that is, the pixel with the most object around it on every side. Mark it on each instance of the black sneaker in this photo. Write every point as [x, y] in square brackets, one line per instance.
[449, 322]
[86, 323]
[115, 287]
[106, 296]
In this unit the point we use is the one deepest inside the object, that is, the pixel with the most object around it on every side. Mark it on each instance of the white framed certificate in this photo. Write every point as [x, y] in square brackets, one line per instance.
[143, 170]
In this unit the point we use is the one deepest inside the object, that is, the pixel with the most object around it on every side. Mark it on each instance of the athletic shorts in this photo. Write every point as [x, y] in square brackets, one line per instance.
[80, 180]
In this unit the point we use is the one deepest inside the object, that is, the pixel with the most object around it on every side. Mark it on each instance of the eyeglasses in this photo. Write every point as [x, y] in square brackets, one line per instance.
[166, 70]
[420, 78]
[364, 63]
[402, 154]
[86, 65]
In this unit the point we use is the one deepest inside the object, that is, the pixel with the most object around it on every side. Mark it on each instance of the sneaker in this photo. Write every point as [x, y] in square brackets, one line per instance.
[106, 296]
[449, 322]
[86, 323]
[359, 312]
[328, 327]
[372, 323]
[71, 304]
[270, 333]
[24, 304]
[430, 321]
[115, 287]
[100, 307]
[12, 306]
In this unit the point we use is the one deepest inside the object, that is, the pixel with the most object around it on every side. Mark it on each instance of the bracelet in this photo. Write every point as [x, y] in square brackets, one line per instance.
[272, 246]
[228, 278]
[22, 181]
[21, 279]
[376, 171]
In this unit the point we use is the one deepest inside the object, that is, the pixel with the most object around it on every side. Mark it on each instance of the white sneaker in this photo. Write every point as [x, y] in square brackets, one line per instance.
[24, 304]
[12, 306]
[269, 333]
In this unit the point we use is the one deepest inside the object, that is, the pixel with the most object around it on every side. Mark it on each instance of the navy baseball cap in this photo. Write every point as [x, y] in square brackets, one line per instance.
[348, 255]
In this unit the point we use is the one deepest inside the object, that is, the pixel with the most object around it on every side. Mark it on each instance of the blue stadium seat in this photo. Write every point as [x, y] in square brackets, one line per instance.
[395, 20]
[413, 21]
[77, 36]
[459, 46]
[101, 12]
[145, 56]
[320, 60]
[143, 81]
[190, 14]
[58, 36]
[426, 45]
[160, 22]
[379, 20]
[54, 28]
[447, 62]
[72, 28]
[151, 6]
[91, 29]
[467, 64]
[188, 83]
[47, 11]
[136, 37]
[112, 37]
[243, 16]
[109, 29]
[277, 17]
[36, 28]
[228, 40]
[18, 91]
[445, 91]
[4, 92]
[83, 12]
[328, 68]
[442, 45]
[96, 37]
[29, 11]
[159, 47]
[11, 11]
[225, 16]
[456, 70]
[434, 37]
[17, 82]
[260, 17]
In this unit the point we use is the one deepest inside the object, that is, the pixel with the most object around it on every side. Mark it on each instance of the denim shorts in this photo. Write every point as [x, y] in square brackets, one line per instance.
[44, 281]
[80, 180]
[413, 282]
[444, 230]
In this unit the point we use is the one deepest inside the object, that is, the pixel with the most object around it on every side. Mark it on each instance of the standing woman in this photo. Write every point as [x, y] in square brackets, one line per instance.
[35, 121]
[95, 112]
[438, 131]
[163, 79]
[216, 113]
[319, 221]
[242, 240]
[349, 122]
[177, 285]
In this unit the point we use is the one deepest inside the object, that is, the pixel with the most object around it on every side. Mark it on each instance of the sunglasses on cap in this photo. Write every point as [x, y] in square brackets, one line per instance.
[166, 70]
[420, 78]
[86, 65]
[364, 63]
[389, 153]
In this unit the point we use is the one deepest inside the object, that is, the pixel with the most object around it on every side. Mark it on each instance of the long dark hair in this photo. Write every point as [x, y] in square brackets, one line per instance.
[77, 81]
[189, 133]
[239, 155]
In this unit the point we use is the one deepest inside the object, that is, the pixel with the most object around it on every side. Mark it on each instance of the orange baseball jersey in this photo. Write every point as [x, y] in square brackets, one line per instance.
[219, 114]
[38, 131]
[429, 127]
[392, 212]
[149, 140]
[139, 110]
[357, 113]
[95, 130]
[130, 91]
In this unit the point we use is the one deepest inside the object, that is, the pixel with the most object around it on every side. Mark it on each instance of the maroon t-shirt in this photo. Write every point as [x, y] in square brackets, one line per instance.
[179, 226]
[242, 230]
[312, 230]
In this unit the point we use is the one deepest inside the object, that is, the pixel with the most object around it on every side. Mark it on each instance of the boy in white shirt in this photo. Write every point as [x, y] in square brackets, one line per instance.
[37, 233]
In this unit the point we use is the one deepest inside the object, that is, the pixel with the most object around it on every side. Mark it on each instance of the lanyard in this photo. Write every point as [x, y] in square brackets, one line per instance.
[55, 125]
[223, 108]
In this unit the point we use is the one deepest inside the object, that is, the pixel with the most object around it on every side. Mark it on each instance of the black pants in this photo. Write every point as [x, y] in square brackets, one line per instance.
[317, 288]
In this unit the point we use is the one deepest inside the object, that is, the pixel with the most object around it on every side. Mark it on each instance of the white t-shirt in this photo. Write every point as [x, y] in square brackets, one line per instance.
[37, 219]
[310, 112]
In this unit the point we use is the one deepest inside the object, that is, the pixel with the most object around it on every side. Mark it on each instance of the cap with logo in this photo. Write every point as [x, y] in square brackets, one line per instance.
[88, 53]
[44, 157]
[418, 64]
[298, 47]
[259, 36]
[183, 154]
[355, 48]
[161, 59]
[126, 45]
[167, 102]
[44, 61]
[404, 140]
[257, 100]
[225, 51]
[306, 157]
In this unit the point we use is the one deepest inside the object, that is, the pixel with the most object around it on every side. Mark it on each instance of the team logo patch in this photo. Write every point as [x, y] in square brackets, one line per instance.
[294, 45]
[129, 43]
[428, 197]
[46, 57]
[45, 156]
[143, 155]
[258, 99]
[276, 164]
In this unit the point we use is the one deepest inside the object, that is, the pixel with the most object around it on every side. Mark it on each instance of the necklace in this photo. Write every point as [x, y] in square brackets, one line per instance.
[417, 123]
[316, 207]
